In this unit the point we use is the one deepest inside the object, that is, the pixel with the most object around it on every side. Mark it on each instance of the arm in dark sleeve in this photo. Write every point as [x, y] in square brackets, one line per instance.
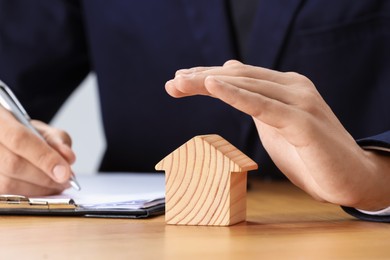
[43, 54]
[379, 142]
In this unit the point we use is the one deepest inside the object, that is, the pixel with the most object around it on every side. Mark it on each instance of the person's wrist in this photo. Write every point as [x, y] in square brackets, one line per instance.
[374, 184]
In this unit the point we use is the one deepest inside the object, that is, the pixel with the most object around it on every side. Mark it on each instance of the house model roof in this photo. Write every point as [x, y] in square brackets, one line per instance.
[208, 148]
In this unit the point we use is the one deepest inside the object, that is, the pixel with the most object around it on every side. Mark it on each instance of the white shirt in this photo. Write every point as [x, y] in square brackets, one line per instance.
[382, 212]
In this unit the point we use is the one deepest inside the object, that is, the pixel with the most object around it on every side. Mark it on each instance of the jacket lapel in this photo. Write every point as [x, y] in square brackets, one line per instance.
[272, 23]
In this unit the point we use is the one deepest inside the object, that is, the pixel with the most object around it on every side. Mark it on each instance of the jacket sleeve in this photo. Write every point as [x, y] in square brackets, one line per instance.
[379, 142]
[43, 52]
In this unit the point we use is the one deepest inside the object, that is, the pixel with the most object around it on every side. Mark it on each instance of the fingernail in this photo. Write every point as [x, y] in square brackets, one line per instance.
[59, 173]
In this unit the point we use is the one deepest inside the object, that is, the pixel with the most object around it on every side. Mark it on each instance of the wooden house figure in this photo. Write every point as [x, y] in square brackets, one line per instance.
[205, 182]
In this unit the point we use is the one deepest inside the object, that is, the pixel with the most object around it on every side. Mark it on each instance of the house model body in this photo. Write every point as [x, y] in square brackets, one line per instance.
[205, 182]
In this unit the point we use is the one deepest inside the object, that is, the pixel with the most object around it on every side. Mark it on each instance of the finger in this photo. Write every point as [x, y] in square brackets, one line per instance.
[282, 93]
[192, 81]
[203, 69]
[269, 111]
[22, 141]
[14, 186]
[15, 167]
[58, 139]
[194, 70]
[232, 63]
[46, 130]
[235, 68]
[184, 85]
[172, 90]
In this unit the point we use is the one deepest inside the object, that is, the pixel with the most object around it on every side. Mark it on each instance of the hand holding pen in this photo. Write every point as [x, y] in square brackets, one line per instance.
[35, 160]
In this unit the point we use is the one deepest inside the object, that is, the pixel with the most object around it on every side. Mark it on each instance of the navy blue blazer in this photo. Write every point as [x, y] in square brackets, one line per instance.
[48, 47]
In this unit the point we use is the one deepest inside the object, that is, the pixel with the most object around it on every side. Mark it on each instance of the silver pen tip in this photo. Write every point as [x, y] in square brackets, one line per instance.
[73, 182]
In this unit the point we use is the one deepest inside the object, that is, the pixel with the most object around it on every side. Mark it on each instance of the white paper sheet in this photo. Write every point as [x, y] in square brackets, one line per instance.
[116, 191]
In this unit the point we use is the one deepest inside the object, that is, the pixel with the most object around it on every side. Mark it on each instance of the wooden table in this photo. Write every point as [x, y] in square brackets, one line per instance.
[282, 223]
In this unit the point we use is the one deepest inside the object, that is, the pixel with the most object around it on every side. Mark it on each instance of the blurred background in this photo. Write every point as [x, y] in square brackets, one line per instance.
[80, 117]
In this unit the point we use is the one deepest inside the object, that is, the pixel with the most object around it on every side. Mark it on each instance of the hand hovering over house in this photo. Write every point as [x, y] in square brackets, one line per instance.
[29, 165]
[299, 131]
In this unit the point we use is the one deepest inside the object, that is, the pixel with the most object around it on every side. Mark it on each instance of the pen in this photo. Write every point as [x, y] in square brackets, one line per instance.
[9, 101]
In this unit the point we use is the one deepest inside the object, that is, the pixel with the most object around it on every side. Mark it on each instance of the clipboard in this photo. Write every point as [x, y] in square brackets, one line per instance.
[104, 195]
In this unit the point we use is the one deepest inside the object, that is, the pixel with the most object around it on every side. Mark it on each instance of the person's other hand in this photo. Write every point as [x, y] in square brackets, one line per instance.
[29, 165]
[299, 131]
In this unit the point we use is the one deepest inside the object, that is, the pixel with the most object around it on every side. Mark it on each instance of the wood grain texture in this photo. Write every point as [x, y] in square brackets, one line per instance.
[282, 223]
[206, 182]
